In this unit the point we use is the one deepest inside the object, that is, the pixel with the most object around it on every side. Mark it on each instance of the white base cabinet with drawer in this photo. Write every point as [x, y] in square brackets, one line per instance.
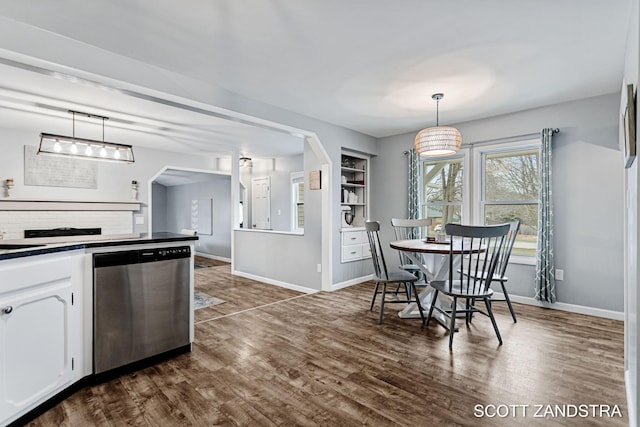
[355, 245]
[40, 331]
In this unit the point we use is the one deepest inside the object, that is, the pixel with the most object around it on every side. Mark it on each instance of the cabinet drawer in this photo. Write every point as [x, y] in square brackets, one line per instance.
[366, 250]
[354, 238]
[352, 252]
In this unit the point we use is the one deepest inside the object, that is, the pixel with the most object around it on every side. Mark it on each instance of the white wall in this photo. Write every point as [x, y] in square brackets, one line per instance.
[588, 195]
[114, 180]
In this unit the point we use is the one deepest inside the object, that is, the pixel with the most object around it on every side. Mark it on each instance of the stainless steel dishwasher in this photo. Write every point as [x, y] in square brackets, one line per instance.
[141, 305]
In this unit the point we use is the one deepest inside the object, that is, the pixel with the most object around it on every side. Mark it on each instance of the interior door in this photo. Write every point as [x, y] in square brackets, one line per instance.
[261, 203]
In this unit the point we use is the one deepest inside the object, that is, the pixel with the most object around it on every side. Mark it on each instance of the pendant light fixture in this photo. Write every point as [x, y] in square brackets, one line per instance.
[438, 140]
[81, 148]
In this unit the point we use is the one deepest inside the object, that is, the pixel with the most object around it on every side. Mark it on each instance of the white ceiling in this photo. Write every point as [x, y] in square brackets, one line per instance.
[368, 65]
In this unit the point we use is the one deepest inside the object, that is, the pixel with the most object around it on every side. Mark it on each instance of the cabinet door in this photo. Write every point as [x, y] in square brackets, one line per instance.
[35, 357]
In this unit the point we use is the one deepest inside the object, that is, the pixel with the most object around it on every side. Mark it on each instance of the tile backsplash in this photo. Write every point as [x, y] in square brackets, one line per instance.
[13, 223]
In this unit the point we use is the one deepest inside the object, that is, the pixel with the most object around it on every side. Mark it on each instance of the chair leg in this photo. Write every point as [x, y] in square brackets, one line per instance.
[508, 300]
[452, 326]
[433, 302]
[407, 290]
[467, 314]
[418, 303]
[375, 294]
[384, 292]
[487, 302]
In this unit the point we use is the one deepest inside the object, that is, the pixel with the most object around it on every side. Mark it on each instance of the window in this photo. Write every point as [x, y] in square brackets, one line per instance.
[505, 188]
[297, 201]
[443, 190]
[509, 192]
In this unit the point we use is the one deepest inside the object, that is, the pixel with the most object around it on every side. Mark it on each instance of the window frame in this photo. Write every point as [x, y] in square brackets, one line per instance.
[479, 201]
[297, 178]
[465, 155]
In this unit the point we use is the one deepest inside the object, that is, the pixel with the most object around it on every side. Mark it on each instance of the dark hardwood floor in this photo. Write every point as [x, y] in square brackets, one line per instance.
[322, 360]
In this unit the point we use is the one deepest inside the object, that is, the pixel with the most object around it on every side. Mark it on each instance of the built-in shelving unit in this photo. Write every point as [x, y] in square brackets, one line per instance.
[354, 199]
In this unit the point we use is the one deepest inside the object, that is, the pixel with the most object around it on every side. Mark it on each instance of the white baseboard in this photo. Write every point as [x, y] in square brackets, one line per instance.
[351, 282]
[216, 257]
[275, 282]
[591, 311]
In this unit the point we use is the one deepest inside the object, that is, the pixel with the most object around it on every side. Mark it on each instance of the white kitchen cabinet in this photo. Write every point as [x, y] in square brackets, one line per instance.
[355, 245]
[40, 330]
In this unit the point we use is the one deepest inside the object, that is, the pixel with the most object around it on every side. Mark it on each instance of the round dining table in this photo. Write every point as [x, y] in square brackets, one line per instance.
[433, 260]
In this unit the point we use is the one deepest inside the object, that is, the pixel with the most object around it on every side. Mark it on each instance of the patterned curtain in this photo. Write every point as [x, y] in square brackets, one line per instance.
[545, 266]
[413, 207]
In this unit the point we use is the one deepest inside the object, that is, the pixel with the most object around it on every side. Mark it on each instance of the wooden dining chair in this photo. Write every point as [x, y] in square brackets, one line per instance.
[383, 276]
[482, 247]
[406, 229]
[500, 275]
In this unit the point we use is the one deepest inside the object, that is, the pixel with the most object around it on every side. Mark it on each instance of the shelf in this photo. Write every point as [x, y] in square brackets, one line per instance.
[67, 205]
[346, 169]
[353, 204]
[346, 184]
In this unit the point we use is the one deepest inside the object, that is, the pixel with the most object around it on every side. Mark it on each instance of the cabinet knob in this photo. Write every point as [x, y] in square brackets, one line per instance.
[7, 310]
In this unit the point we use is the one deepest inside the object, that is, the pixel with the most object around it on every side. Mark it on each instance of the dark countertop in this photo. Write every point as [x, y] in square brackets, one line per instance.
[62, 247]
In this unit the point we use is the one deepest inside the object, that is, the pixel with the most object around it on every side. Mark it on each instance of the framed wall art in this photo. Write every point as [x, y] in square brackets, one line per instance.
[629, 120]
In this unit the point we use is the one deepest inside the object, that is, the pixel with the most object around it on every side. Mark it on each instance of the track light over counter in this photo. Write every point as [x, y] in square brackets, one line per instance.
[81, 148]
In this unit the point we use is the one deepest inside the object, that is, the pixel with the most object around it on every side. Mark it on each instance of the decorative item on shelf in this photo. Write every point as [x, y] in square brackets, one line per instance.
[345, 196]
[438, 140]
[134, 190]
[348, 218]
[343, 179]
[348, 163]
[353, 197]
[346, 210]
[9, 185]
[81, 148]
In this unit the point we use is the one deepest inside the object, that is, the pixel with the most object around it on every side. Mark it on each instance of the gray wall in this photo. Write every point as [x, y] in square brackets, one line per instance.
[159, 207]
[588, 194]
[287, 258]
[632, 297]
[279, 169]
[178, 213]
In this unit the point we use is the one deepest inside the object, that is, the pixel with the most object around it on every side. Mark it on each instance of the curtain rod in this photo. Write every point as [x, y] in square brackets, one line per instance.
[508, 138]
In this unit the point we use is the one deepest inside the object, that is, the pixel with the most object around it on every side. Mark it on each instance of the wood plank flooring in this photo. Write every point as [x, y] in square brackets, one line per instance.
[322, 360]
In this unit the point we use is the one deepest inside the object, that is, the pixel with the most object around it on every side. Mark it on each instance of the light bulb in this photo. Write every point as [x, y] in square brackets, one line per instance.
[103, 152]
[74, 148]
[116, 155]
[88, 151]
[56, 147]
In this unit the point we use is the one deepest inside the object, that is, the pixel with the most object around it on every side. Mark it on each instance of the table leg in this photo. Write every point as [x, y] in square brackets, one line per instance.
[439, 271]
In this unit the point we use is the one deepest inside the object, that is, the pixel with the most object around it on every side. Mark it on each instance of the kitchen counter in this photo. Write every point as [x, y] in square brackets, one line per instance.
[71, 246]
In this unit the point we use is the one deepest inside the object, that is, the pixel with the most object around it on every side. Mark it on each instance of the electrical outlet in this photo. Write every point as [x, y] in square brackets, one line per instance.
[139, 219]
[559, 274]
[319, 268]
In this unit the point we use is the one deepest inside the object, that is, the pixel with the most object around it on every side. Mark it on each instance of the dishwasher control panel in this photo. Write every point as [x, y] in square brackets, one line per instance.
[140, 256]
